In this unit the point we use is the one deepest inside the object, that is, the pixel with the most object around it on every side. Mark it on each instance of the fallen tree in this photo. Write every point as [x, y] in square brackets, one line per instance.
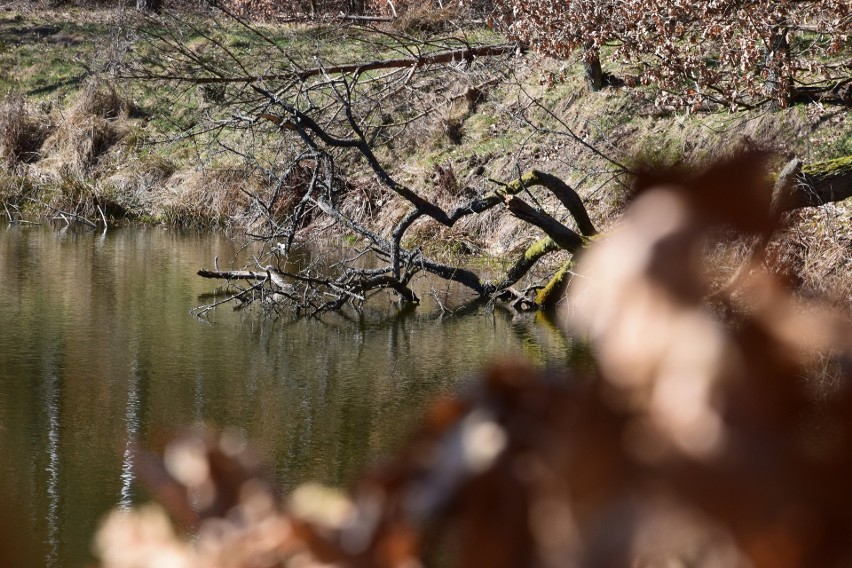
[337, 113]
[328, 118]
[314, 292]
[798, 186]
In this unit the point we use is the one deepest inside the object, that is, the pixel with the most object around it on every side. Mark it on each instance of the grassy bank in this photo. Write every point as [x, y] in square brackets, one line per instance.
[79, 143]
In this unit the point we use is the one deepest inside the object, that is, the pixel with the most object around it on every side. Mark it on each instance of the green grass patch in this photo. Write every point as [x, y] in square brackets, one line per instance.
[47, 59]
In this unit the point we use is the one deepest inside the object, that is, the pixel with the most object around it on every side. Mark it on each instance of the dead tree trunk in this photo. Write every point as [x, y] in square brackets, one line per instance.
[149, 5]
[356, 7]
[592, 67]
[778, 84]
[813, 185]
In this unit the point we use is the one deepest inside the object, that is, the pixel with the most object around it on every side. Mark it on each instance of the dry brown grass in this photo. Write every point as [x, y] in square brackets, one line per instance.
[100, 98]
[424, 17]
[79, 165]
[811, 254]
[22, 131]
[141, 177]
[814, 253]
[138, 181]
[88, 130]
[362, 201]
[73, 194]
[201, 198]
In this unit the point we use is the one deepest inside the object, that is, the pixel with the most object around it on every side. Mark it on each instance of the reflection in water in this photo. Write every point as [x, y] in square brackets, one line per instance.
[52, 405]
[198, 398]
[131, 420]
[103, 321]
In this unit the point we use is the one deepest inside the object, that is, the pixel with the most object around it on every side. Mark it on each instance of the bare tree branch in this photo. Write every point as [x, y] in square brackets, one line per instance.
[466, 54]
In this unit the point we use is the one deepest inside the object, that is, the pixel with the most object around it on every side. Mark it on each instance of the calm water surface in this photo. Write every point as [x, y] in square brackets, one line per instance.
[99, 354]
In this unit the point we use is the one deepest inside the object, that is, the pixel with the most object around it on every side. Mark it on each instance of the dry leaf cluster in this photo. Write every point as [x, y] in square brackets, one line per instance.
[729, 52]
[693, 441]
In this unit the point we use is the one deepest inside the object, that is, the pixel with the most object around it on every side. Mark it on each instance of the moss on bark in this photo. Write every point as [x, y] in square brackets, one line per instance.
[552, 292]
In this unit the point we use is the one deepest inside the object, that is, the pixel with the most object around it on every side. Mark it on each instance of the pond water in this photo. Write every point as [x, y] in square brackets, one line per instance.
[99, 355]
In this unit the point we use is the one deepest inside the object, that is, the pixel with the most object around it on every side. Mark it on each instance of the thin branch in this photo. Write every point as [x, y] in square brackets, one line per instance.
[467, 54]
[74, 216]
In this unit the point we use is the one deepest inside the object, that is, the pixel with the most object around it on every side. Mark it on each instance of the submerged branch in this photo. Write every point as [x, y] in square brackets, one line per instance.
[232, 274]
